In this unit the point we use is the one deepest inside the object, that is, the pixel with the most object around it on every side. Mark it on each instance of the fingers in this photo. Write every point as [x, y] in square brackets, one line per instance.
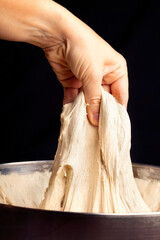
[106, 88]
[93, 110]
[70, 94]
[119, 89]
[72, 87]
[92, 92]
[120, 92]
[118, 81]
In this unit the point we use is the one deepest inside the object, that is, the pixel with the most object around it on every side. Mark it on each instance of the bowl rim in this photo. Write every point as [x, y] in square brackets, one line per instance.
[30, 162]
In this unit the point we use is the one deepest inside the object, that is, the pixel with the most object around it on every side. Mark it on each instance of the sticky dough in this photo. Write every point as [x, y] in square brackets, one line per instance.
[92, 170]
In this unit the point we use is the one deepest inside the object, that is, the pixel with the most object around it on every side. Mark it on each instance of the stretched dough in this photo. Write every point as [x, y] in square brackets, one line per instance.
[92, 170]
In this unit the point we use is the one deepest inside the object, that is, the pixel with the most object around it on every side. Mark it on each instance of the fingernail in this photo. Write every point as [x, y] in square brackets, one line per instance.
[94, 118]
[93, 111]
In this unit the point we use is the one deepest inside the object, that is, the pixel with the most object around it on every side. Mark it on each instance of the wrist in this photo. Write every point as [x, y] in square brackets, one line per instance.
[43, 23]
[55, 24]
[32, 21]
[50, 24]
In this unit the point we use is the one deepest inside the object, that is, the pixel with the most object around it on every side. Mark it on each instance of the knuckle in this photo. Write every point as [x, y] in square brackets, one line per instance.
[123, 60]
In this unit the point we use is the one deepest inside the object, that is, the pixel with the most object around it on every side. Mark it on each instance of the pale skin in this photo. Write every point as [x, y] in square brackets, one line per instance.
[80, 58]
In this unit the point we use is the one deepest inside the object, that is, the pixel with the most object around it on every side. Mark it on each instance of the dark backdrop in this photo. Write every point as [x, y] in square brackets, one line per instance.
[31, 97]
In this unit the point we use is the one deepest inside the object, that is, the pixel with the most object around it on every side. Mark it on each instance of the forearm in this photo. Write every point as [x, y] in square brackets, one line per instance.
[30, 20]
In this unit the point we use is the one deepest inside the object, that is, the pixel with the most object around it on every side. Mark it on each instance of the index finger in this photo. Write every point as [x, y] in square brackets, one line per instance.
[119, 89]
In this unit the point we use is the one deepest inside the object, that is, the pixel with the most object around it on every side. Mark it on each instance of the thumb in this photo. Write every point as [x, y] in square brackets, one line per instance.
[92, 93]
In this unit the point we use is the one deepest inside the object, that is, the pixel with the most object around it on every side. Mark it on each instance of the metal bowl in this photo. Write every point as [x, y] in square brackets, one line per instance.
[33, 224]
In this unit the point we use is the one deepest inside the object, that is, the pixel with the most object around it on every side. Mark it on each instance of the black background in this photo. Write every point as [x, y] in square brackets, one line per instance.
[31, 96]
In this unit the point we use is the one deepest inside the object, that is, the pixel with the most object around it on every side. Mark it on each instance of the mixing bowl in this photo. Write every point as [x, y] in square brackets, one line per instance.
[19, 223]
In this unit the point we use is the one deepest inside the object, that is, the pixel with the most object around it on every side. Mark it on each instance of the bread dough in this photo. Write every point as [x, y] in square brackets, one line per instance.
[24, 190]
[28, 190]
[92, 170]
[150, 192]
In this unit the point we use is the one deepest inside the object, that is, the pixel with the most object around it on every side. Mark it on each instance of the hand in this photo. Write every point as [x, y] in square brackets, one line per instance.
[80, 58]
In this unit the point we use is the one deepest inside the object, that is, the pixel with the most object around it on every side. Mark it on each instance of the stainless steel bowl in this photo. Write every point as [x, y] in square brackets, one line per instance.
[33, 224]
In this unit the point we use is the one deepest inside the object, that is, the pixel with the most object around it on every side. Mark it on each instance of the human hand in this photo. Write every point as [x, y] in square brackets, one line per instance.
[83, 60]
[80, 58]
